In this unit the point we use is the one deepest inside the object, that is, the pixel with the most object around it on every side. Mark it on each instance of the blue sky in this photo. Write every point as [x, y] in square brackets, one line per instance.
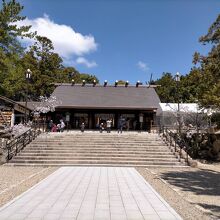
[125, 39]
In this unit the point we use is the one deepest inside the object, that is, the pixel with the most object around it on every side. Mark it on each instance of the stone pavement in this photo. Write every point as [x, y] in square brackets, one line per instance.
[90, 193]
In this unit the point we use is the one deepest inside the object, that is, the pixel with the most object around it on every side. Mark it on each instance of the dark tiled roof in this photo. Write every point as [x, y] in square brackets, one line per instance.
[109, 97]
[30, 105]
[7, 100]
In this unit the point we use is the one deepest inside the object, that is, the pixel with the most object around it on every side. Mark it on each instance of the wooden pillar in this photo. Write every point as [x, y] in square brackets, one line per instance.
[12, 118]
[90, 121]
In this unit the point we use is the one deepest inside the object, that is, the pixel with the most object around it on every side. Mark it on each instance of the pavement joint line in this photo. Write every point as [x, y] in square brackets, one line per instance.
[120, 192]
[85, 193]
[145, 197]
[66, 186]
[107, 175]
[22, 181]
[127, 182]
[160, 197]
[81, 178]
[40, 201]
[100, 172]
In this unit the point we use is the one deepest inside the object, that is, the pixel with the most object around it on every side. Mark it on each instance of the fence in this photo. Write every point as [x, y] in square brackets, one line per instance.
[173, 139]
[17, 144]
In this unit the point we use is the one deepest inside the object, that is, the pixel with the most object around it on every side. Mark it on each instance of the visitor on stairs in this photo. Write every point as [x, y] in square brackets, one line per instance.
[101, 127]
[82, 127]
[108, 125]
[62, 125]
[54, 128]
[121, 122]
[50, 125]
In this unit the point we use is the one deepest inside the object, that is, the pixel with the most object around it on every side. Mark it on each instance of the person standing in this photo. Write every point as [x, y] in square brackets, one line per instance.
[108, 125]
[50, 125]
[120, 124]
[82, 127]
[54, 128]
[101, 127]
[127, 124]
[62, 125]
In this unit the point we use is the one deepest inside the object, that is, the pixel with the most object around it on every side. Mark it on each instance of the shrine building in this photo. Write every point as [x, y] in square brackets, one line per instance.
[92, 104]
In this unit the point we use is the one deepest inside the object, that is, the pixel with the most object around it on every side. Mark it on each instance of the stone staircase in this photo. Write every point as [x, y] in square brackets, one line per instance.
[97, 149]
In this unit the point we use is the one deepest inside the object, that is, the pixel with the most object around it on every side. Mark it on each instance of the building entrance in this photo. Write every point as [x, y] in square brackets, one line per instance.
[92, 119]
[102, 118]
[80, 118]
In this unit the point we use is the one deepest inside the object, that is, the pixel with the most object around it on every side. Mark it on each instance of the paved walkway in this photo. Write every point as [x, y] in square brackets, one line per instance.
[90, 193]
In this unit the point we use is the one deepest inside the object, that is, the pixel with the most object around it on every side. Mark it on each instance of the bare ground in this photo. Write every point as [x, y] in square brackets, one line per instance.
[16, 180]
[193, 192]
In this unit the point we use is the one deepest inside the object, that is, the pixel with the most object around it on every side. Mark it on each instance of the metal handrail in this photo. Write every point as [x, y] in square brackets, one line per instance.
[179, 144]
[18, 143]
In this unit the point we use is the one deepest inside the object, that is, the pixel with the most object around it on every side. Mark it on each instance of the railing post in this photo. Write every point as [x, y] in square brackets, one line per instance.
[8, 151]
[175, 143]
[187, 159]
[29, 136]
[16, 147]
[24, 140]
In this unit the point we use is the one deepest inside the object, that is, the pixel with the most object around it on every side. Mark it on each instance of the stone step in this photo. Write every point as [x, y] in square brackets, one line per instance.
[97, 165]
[43, 153]
[96, 142]
[94, 145]
[94, 155]
[96, 158]
[95, 149]
[99, 142]
[99, 137]
[113, 148]
[75, 161]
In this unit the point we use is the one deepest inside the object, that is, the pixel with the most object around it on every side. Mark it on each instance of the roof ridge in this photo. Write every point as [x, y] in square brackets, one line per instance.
[101, 85]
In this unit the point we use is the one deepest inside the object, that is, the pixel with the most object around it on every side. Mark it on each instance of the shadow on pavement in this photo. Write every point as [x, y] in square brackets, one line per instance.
[201, 182]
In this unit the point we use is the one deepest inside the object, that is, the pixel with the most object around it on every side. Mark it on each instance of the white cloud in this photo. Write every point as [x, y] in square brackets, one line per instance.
[83, 61]
[143, 66]
[66, 40]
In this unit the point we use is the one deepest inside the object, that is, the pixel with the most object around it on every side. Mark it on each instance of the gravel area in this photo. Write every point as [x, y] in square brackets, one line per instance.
[16, 180]
[193, 192]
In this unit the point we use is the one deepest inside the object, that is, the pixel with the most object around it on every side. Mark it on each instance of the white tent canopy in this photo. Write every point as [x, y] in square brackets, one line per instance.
[184, 108]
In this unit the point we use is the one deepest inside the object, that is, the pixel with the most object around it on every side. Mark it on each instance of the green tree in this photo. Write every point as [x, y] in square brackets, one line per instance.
[167, 88]
[209, 69]
[46, 66]
[121, 82]
[10, 48]
[88, 78]
[9, 30]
